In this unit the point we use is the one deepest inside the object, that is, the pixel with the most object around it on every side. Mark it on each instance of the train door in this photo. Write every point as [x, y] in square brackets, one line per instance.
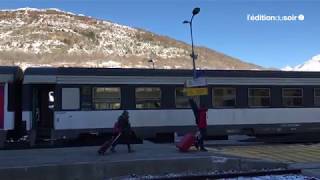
[43, 110]
[1, 106]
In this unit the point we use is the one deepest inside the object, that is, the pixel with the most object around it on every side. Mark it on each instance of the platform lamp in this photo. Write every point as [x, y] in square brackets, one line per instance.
[194, 56]
[151, 61]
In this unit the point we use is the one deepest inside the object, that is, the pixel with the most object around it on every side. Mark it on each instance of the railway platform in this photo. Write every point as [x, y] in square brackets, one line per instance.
[305, 157]
[148, 159]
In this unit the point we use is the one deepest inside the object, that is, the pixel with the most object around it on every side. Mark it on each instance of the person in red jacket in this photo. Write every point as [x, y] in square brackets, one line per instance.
[202, 126]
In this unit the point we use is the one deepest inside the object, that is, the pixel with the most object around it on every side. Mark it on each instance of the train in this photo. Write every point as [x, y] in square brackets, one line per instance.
[65, 102]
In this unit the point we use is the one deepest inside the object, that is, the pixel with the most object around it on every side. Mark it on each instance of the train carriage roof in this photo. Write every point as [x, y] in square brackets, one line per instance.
[10, 73]
[165, 76]
[167, 72]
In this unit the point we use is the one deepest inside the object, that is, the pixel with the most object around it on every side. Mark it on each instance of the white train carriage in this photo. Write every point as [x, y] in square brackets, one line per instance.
[10, 113]
[66, 102]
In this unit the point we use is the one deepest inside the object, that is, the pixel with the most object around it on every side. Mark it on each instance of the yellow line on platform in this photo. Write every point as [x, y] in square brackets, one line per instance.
[282, 153]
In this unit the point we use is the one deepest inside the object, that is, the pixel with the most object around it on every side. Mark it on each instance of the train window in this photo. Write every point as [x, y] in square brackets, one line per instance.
[317, 96]
[259, 97]
[106, 98]
[224, 97]
[70, 98]
[148, 97]
[86, 95]
[292, 97]
[182, 101]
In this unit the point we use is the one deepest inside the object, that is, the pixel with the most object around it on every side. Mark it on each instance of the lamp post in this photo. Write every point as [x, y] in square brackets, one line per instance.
[151, 61]
[194, 12]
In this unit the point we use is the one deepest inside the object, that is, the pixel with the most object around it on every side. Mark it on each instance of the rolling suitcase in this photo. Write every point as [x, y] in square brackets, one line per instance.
[186, 142]
[105, 146]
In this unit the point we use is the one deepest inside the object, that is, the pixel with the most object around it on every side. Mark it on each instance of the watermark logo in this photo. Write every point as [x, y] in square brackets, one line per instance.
[301, 17]
[264, 17]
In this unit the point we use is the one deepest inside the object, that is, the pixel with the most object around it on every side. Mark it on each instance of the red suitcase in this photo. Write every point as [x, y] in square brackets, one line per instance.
[105, 146]
[186, 142]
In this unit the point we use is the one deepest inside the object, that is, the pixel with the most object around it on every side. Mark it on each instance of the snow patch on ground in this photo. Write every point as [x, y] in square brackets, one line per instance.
[269, 177]
[24, 65]
[111, 64]
[39, 10]
[272, 177]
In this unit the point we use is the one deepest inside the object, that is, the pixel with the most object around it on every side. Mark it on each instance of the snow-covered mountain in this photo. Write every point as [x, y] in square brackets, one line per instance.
[51, 37]
[311, 65]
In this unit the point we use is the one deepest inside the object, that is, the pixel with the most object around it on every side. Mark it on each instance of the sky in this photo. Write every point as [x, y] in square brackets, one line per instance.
[233, 27]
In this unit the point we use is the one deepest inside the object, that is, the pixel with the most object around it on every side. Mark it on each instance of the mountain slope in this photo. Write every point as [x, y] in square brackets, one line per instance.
[51, 37]
[311, 65]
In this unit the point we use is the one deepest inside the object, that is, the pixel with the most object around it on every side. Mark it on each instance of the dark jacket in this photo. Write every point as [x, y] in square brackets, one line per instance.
[195, 110]
[124, 125]
[202, 118]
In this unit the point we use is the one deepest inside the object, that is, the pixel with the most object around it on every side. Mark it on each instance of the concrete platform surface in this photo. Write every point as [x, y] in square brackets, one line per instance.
[148, 158]
[297, 156]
